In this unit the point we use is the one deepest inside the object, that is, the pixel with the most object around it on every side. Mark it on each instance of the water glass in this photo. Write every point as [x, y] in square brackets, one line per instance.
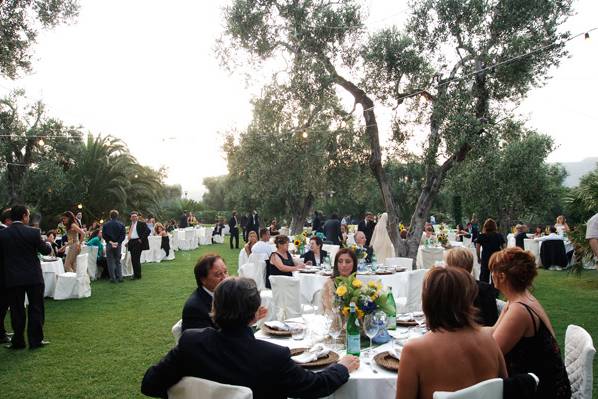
[297, 331]
[372, 326]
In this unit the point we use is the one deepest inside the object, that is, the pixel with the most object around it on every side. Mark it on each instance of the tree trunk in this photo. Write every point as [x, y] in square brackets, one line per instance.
[300, 213]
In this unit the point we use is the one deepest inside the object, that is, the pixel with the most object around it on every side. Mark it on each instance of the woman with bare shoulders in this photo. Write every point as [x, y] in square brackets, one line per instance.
[456, 353]
[75, 235]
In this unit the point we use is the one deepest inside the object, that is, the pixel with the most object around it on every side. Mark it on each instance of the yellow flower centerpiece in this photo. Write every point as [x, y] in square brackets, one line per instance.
[367, 297]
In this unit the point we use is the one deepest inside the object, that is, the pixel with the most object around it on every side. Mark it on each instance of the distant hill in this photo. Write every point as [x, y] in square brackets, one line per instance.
[576, 170]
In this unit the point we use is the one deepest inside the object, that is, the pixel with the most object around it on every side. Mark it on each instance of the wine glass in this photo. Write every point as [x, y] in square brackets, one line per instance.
[372, 326]
[335, 327]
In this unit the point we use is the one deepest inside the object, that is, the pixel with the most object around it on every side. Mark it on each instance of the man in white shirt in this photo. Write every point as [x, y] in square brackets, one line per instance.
[592, 235]
[552, 236]
[263, 246]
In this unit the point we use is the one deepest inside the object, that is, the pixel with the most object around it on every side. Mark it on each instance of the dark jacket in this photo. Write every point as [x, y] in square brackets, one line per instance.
[232, 224]
[368, 230]
[486, 303]
[332, 231]
[552, 253]
[519, 237]
[253, 223]
[309, 256]
[183, 221]
[235, 357]
[114, 231]
[316, 224]
[143, 232]
[19, 246]
[196, 312]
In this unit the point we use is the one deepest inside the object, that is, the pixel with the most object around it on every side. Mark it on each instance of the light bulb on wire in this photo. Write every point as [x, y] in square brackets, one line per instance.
[80, 206]
[41, 142]
[304, 135]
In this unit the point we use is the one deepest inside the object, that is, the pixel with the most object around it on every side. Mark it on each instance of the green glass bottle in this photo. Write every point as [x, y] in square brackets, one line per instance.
[392, 315]
[353, 332]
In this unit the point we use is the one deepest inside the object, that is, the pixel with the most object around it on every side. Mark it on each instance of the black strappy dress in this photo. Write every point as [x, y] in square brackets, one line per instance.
[272, 270]
[540, 355]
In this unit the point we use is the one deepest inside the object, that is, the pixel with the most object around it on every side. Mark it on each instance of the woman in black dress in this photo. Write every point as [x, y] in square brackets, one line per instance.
[316, 255]
[523, 330]
[281, 262]
[489, 242]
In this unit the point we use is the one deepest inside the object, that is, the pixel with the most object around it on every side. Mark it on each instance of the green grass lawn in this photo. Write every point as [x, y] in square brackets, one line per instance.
[101, 346]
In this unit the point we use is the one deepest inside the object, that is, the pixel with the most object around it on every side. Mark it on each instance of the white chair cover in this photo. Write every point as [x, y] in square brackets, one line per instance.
[467, 241]
[126, 265]
[331, 249]
[489, 389]
[204, 236]
[452, 236]
[254, 272]
[226, 230]
[431, 255]
[579, 355]
[286, 297]
[194, 388]
[154, 253]
[174, 242]
[407, 263]
[74, 285]
[177, 331]
[92, 263]
[411, 302]
[260, 261]
[534, 247]
[190, 239]
[243, 257]
[170, 256]
[284, 231]
[218, 238]
[266, 297]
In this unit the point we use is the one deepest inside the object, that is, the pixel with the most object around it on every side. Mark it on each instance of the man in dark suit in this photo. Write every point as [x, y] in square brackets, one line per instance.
[138, 242]
[367, 226]
[253, 224]
[234, 230]
[114, 234]
[316, 223]
[244, 220]
[4, 338]
[19, 245]
[233, 355]
[183, 220]
[209, 271]
[332, 230]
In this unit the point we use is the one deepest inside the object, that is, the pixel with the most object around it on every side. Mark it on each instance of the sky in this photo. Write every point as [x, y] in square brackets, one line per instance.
[147, 73]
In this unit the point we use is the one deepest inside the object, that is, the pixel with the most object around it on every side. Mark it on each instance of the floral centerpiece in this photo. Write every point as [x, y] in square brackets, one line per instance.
[443, 239]
[300, 240]
[360, 253]
[368, 297]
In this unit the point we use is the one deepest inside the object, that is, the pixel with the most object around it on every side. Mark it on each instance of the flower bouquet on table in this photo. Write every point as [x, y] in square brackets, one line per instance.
[361, 253]
[300, 240]
[443, 240]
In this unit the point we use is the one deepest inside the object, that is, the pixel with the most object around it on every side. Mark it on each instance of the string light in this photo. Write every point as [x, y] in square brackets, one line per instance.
[80, 206]
[304, 135]
[41, 142]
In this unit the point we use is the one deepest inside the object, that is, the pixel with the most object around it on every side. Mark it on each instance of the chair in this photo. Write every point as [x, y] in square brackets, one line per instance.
[466, 241]
[190, 239]
[331, 249]
[579, 354]
[218, 238]
[77, 285]
[552, 253]
[204, 237]
[534, 247]
[452, 236]
[286, 297]
[193, 388]
[177, 331]
[254, 272]
[411, 302]
[243, 257]
[430, 256]
[407, 263]
[489, 389]
[92, 263]
[260, 261]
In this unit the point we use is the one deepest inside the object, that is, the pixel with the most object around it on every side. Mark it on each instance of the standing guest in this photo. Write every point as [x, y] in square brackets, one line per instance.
[4, 339]
[521, 235]
[183, 223]
[367, 225]
[232, 355]
[192, 220]
[233, 225]
[114, 234]
[485, 300]
[316, 255]
[489, 242]
[253, 224]
[79, 217]
[160, 231]
[137, 242]
[474, 228]
[151, 222]
[243, 222]
[170, 226]
[561, 225]
[263, 246]
[209, 271]
[461, 232]
[273, 228]
[19, 246]
[75, 235]
[281, 262]
[454, 338]
[592, 235]
[345, 264]
[523, 330]
[316, 223]
[332, 230]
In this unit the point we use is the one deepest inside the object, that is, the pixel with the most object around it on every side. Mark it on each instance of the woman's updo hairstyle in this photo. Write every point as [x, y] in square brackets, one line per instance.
[280, 240]
[518, 266]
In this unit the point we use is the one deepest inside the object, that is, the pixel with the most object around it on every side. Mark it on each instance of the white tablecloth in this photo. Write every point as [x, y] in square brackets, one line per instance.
[363, 383]
[50, 271]
[312, 283]
[419, 262]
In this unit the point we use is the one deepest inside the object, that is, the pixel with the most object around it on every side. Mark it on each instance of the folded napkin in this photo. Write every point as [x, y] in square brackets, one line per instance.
[418, 314]
[277, 325]
[405, 318]
[396, 353]
[316, 352]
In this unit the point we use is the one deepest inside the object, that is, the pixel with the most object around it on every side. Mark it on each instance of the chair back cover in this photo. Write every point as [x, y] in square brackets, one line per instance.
[579, 354]
[415, 282]
[286, 297]
[534, 247]
[431, 255]
[552, 253]
[260, 261]
[243, 257]
[177, 331]
[407, 263]
[92, 262]
[489, 389]
[82, 263]
[332, 250]
[254, 272]
[194, 388]
[466, 241]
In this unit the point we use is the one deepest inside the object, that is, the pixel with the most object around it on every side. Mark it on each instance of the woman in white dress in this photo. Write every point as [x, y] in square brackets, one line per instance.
[380, 242]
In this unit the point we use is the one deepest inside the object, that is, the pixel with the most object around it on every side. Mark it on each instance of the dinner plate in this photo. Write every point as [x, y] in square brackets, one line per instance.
[330, 358]
[276, 333]
[407, 323]
[385, 360]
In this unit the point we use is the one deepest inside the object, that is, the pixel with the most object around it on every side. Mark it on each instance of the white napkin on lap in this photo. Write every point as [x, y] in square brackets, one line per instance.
[277, 325]
[312, 355]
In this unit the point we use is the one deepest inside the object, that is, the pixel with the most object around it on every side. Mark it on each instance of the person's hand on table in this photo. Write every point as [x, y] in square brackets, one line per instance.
[308, 263]
[350, 362]
[300, 266]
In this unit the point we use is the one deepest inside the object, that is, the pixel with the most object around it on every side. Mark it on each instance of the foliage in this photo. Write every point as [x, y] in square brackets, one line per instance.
[21, 22]
[582, 201]
[215, 196]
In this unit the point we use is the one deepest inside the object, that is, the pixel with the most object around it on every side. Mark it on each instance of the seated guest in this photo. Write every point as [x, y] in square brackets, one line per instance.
[523, 330]
[263, 246]
[218, 227]
[315, 255]
[251, 241]
[281, 262]
[273, 229]
[552, 236]
[461, 232]
[360, 241]
[538, 232]
[454, 339]
[344, 234]
[345, 264]
[485, 300]
[561, 225]
[95, 240]
[428, 232]
[57, 250]
[521, 235]
[209, 271]
[233, 356]
[160, 231]
[170, 226]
